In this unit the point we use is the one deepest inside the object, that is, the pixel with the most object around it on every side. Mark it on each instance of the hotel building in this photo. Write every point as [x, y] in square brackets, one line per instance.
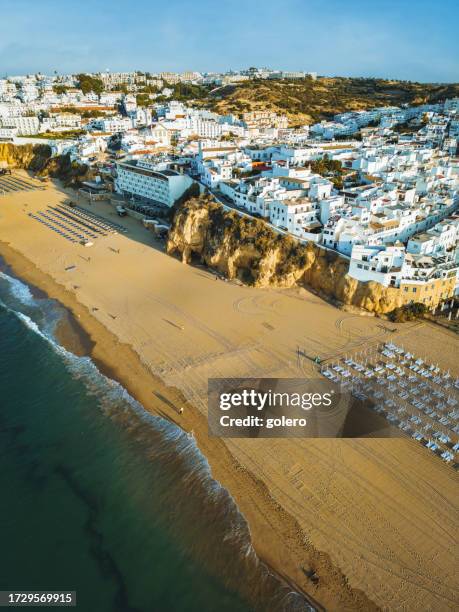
[143, 180]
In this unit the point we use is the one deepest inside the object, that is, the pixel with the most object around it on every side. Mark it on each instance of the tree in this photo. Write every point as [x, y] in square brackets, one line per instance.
[87, 83]
[59, 89]
[98, 87]
[142, 99]
[408, 312]
[90, 114]
[149, 89]
[230, 136]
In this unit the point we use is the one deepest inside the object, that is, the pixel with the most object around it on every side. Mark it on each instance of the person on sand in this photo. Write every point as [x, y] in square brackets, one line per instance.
[181, 411]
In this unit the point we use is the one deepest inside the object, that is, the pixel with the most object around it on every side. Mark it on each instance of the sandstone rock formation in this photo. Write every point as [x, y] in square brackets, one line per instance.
[247, 249]
[37, 158]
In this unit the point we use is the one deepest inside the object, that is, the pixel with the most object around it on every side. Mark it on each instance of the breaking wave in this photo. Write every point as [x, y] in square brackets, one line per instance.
[19, 290]
[194, 506]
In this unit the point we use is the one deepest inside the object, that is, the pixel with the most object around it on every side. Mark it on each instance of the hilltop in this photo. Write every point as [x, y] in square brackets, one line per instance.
[308, 101]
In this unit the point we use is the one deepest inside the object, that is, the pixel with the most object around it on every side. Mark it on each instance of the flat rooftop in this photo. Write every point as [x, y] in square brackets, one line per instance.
[132, 166]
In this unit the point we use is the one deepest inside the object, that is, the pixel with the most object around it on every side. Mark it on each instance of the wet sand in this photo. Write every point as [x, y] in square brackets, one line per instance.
[375, 518]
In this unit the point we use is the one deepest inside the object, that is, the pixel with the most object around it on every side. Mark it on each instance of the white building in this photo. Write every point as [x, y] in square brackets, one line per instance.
[436, 241]
[375, 263]
[298, 217]
[25, 126]
[143, 180]
[111, 124]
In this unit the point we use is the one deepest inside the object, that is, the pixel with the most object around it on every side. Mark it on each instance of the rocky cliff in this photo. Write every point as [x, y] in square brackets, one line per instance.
[29, 157]
[37, 158]
[247, 249]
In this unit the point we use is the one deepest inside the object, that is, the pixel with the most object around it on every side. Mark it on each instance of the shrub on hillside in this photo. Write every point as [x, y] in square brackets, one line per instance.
[408, 312]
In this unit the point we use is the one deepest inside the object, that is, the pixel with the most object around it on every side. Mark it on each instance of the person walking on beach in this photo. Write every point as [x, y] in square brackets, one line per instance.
[181, 411]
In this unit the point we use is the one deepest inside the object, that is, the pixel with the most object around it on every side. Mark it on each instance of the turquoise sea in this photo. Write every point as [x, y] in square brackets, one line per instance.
[97, 496]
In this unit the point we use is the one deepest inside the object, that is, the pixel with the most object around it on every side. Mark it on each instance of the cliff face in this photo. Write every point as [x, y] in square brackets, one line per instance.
[28, 157]
[37, 158]
[246, 249]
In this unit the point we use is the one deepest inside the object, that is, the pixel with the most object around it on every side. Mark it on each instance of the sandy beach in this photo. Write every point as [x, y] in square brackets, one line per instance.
[376, 518]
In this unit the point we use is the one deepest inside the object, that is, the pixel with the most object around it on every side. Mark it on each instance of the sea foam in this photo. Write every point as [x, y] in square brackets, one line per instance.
[19, 290]
[206, 516]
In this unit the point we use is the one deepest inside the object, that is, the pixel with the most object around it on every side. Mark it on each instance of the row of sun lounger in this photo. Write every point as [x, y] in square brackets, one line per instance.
[73, 224]
[110, 226]
[92, 233]
[78, 217]
[9, 184]
[63, 226]
[53, 227]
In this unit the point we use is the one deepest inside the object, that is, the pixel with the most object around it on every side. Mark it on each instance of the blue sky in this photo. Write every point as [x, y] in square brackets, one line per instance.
[407, 39]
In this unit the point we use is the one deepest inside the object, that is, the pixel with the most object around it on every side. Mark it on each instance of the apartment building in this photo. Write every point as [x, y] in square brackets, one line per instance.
[436, 241]
[439, 286]
[170, 77]
[298, 217]
[61, 122]
[7, 89]
[256, 120]
[24, 125]
[190, 76]
[382, 264]
[420, 278]
[142, 179]
[111, 124]
[254, 194]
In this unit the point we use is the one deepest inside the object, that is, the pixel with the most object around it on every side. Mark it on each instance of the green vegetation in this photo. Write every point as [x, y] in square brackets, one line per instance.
[408, 312]
[92, 114]
[308, 101]
[229, 137]
[66, 109]
[87, 114]
[149, 89]
[59, 89]
[407, 127]
[71, 173]
[186, 91]
[143, 99]
[88, 83]
[68, 134]
[329, 168]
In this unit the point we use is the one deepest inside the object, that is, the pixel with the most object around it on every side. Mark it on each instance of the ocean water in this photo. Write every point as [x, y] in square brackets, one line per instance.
[96, 496]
